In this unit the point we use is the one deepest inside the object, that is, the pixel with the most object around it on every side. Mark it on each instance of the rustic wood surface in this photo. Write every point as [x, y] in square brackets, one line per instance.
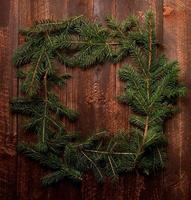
[93, 94]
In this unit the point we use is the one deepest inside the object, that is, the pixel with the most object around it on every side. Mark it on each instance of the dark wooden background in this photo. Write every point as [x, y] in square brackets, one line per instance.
[93, 93]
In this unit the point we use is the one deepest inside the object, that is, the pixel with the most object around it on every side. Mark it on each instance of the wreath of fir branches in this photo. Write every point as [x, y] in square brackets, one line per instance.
[151, 90]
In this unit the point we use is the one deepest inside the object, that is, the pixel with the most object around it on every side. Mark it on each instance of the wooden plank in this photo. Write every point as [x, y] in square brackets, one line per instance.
[139, 187]
[29, 173]
[78, 87]
[132, 184]
[105, 80]
[65, 190]
[100, 101]
[23, 166]
[154, 184]
[8, 89]
[177, 45]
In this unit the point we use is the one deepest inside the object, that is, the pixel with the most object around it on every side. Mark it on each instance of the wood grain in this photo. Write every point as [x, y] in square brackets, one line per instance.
[8, 89]
[177, 46]
[92, 93]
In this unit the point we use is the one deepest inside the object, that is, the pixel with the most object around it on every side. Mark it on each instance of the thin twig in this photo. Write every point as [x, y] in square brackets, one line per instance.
[45, 107]
[109, 153]
[111, 166]
[93, 164]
